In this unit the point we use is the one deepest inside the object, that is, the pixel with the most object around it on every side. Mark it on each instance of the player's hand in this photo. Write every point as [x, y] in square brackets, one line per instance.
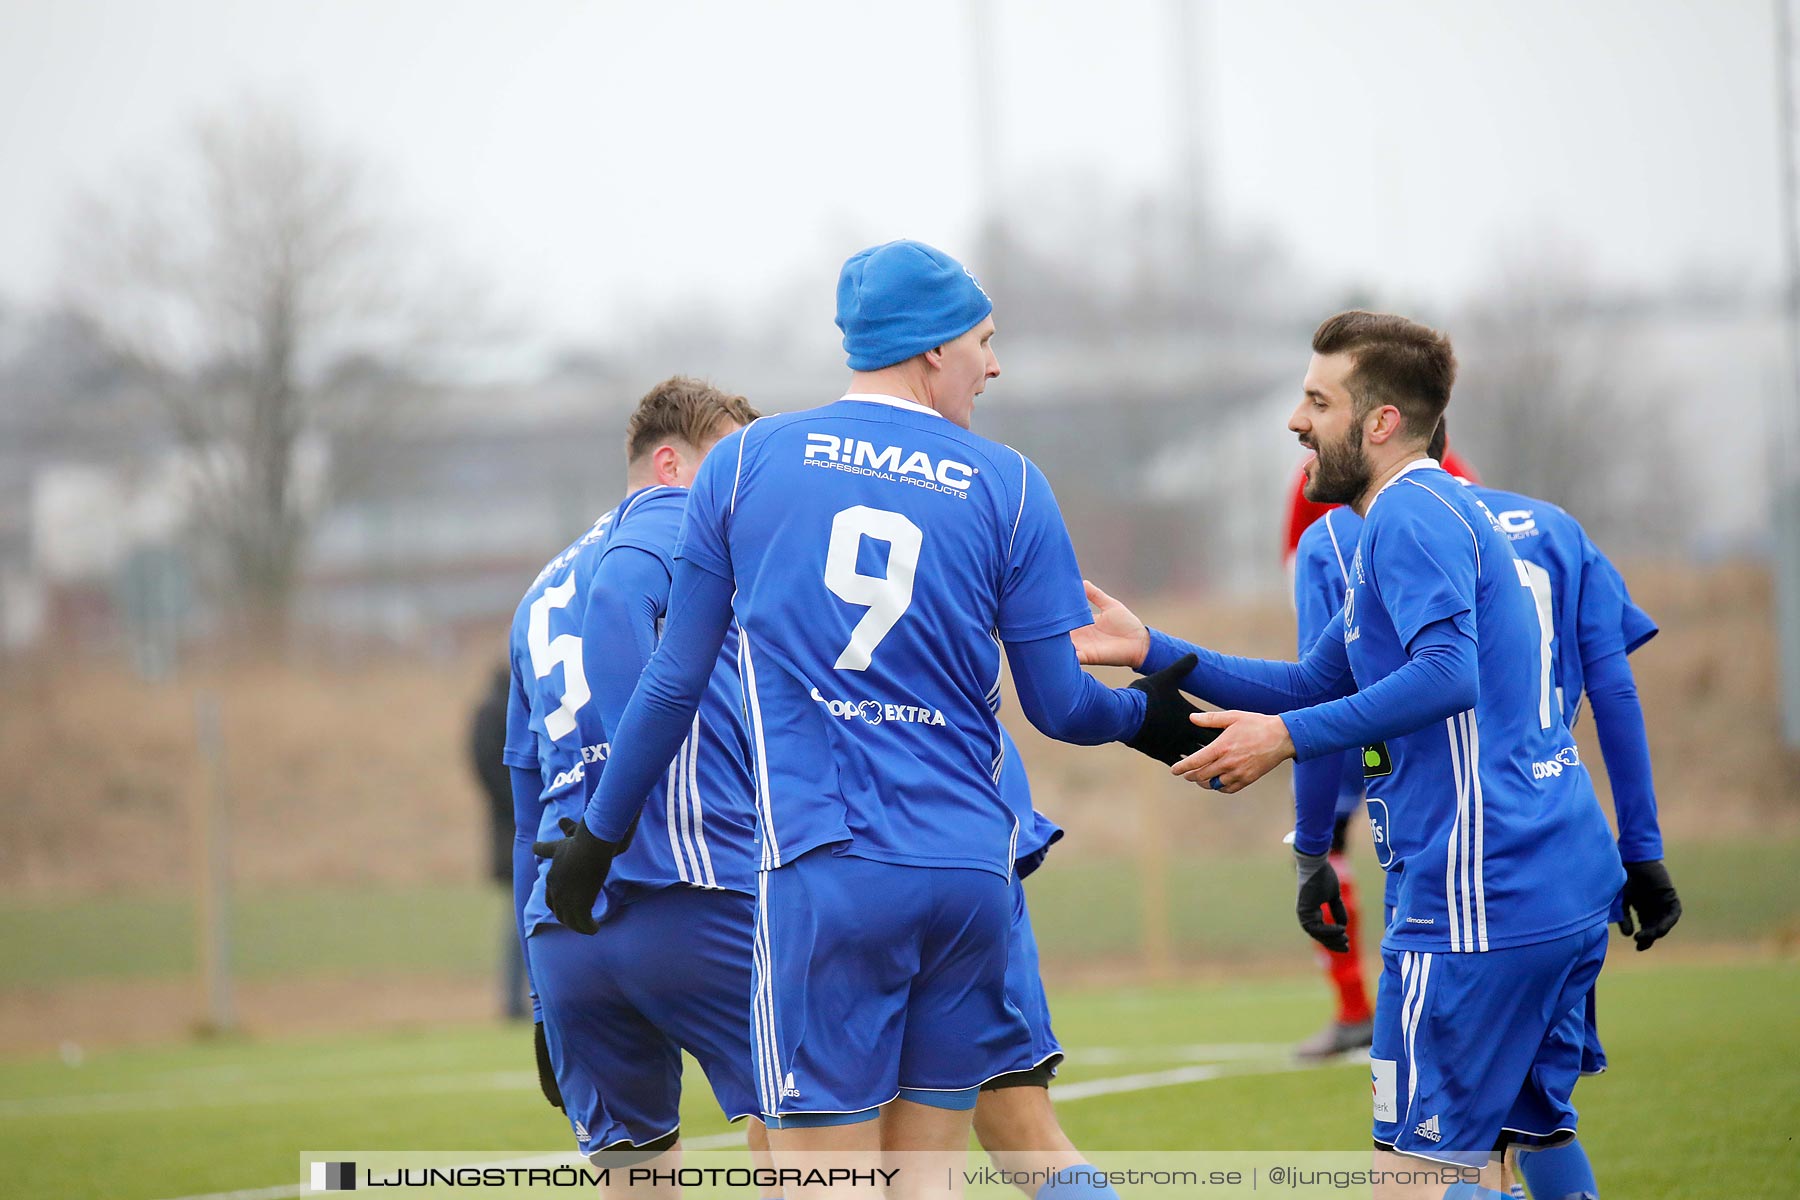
[546, 1072]
[1116, 638]
[578, 867]
[1650, 893]
[1248, 746]
[1318, 892]
[1166, 734]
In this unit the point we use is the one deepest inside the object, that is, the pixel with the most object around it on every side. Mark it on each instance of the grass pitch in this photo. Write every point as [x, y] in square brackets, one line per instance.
[1703, 1098]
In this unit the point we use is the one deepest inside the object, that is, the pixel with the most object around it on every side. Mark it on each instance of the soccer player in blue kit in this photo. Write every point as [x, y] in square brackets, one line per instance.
[1587, 613]
[1506, 868]
[875, 554]
[670, 968]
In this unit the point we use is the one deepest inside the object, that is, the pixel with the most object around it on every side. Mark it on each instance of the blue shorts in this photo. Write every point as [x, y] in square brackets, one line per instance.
[1025, 987]
[872, 977]
[1593, 1054]
[666, 973]
[1470, 1045]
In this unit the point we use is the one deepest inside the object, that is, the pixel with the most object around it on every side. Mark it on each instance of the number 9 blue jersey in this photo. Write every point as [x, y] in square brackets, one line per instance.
[876, 549]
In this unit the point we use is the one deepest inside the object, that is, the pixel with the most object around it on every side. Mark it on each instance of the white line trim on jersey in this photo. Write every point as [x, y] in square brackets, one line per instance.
[1421, 975]
[705, 864]
[672, 786]
[642, 496]
[737, 476]
[758, 979]
[1024, 475]
[1409, 990]
[771, 852]
[900, 402]
[1481, 938]
[763, 994]
[1335, 547]
[1465, 524]
[684, 770]
[1464, 821]
[1456, 776]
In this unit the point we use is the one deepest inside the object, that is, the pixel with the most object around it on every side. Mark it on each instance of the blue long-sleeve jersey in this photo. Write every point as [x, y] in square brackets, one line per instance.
[1593, 626]
[580, 639]
[868, 552]
[1479, 803]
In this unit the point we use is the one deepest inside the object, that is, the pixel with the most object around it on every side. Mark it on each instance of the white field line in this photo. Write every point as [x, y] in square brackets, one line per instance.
[1206, 1052]
[1246, 1065]
[236, 1094]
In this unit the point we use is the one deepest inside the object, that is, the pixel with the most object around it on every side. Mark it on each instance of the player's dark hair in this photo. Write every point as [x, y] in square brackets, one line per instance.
[681, 408]
[1440, 440]
[1398, 362]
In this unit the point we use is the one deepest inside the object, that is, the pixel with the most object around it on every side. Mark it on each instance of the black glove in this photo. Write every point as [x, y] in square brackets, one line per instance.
[1166, 734]
[1648, 890]
[578, 867]
[1319, 889]
[546, 1073]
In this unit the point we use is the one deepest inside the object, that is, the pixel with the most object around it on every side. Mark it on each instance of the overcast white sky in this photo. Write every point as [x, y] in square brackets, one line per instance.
[594, 158]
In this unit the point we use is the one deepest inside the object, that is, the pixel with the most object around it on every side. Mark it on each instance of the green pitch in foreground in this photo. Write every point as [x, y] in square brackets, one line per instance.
[1703, 1098]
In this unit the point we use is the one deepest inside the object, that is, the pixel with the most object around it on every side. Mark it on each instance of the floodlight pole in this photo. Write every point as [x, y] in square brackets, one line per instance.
[1786, 423]
[987, 139]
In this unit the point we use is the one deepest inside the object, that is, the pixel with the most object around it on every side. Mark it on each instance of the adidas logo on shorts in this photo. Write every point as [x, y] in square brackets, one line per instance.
[581, 1132]
[788, 1089]
[1428, 1129]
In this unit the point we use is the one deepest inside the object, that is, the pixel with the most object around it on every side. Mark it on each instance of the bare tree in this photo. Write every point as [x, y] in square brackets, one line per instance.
[1556, 399]
[251, 280]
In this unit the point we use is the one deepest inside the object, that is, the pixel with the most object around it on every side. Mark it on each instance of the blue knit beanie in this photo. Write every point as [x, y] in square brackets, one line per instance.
[903, 298]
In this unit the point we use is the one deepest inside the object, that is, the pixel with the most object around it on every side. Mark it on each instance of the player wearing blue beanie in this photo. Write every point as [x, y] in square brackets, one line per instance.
[900, 299]
[875, 556]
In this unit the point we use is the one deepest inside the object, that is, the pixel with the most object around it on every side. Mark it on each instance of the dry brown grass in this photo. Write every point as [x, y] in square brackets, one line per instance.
[361, 774]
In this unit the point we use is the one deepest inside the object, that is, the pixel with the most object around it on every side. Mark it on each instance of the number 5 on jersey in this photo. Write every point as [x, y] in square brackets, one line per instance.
[888, 596]
[548, 652]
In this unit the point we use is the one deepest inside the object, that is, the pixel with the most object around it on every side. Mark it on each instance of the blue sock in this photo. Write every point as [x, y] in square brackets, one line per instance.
[1471, 1191]
[1077, 1183]
[1559, 1173]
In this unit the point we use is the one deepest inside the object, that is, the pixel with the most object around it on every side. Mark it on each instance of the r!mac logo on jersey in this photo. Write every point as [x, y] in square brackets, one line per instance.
[875, 712]
[889, 462]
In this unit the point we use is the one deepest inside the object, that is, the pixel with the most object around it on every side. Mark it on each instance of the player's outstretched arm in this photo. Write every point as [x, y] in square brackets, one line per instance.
[1117, 638]
[1438, 680]
[1064, 702]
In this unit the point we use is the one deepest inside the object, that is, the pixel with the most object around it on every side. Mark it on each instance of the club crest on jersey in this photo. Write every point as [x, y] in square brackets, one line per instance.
[889, 462]
[875, 712]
